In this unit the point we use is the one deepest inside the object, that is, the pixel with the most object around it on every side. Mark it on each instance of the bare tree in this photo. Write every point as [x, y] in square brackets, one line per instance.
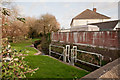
[49, 23]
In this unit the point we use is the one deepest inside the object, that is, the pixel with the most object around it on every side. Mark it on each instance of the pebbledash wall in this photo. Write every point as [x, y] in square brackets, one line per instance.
[102, 39]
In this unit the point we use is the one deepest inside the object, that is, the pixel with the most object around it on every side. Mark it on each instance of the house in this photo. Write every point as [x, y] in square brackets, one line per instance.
[80, 21]
[107, 25]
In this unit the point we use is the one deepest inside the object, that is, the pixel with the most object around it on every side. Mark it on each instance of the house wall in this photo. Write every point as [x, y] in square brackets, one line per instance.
[93, 28]
[80, 22]
[103, 39]
[85, 28]
[117, 26]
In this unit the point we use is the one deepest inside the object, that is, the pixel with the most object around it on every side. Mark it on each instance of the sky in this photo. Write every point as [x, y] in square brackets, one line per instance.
[65, 10]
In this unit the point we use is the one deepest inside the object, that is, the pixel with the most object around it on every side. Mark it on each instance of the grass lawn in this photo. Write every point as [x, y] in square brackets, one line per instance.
[48, 67]
[22, 46]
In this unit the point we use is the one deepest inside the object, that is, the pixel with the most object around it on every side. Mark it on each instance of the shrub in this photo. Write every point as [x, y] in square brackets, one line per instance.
[13, 64]
[45, 42]
[45, 46]
[36, 43]
[10, 39]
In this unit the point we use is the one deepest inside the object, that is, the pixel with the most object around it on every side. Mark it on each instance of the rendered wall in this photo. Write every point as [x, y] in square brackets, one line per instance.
[78, 22]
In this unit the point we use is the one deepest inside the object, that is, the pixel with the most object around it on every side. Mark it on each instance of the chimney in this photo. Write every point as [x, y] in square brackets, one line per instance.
[94, 9]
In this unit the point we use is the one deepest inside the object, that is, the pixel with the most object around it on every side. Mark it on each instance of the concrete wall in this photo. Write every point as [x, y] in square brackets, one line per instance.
[107, 72]
[103, 39]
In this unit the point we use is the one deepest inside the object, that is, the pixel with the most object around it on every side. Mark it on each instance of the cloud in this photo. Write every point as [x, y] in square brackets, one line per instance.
[66, 5]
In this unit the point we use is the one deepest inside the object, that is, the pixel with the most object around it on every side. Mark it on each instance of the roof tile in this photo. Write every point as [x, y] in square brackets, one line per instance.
[89, 14]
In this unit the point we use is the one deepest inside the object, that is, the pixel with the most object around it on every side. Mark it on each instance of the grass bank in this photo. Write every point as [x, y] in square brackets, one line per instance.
[48, 67]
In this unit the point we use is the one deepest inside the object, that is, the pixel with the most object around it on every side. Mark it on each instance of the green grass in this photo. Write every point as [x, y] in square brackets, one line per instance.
[23, 46]
[35, 39]
[51, 68]
[48, 67]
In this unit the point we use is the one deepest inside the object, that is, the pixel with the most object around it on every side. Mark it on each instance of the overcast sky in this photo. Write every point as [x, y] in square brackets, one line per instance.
[64, 11]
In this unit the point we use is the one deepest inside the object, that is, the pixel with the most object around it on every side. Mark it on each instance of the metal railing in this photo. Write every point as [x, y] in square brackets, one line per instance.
[98, 55]
[72, 55]
[50, 50]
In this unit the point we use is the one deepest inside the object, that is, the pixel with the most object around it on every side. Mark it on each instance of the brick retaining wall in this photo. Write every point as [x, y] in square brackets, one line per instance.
[103, 39]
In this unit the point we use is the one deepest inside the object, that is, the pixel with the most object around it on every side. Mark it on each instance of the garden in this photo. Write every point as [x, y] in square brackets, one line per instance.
[22, 39]
[48, 67]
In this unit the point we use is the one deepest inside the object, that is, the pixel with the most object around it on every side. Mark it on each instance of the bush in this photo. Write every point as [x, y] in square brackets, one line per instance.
[10, 39]
[45, 42]
[45, 46]
[13, 65]
[36, 43]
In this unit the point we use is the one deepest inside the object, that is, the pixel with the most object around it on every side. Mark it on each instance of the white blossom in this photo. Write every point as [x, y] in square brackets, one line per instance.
[23, 58]
[10, 50]
[16, 59]
[27, 51]
[7, 59]
[9, 46]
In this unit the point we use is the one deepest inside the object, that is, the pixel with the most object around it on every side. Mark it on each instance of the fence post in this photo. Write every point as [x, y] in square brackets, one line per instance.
[64, 54]
[68, 52]
[100, 60]
[75, 53]
[72, 57]
[50, 50]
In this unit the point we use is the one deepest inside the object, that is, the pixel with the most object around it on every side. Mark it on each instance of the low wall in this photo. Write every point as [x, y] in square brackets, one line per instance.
[107, 72]
[102, 39]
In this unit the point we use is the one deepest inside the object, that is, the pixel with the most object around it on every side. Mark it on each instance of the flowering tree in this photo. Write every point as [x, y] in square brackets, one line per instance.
[12, 25]
[13, 65]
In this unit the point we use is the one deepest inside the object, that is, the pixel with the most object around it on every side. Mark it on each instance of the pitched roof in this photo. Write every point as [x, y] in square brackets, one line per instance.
[89, 14]
[107, 25]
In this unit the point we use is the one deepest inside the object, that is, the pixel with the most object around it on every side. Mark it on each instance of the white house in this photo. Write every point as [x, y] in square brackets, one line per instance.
[88, 16]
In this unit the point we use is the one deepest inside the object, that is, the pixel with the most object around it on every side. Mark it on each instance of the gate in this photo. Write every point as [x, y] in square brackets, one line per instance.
[73, 55]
